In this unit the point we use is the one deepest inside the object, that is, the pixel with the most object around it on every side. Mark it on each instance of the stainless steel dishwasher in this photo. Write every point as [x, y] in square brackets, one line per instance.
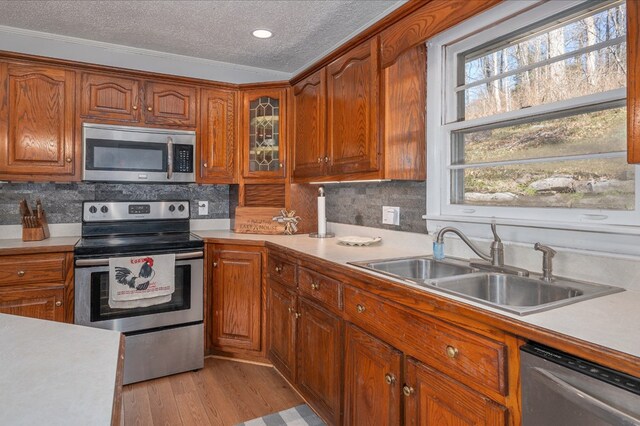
[560, 389]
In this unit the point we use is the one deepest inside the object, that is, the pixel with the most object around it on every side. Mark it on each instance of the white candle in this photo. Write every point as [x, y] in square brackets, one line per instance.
[322, 214]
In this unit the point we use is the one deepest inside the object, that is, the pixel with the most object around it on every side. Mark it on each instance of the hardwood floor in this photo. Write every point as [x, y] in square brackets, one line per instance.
[222, 393]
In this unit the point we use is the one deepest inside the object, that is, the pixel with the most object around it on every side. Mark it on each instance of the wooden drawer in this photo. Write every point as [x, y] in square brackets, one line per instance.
[466, 356]
[281, 270]
[318, 287]
[33, 268]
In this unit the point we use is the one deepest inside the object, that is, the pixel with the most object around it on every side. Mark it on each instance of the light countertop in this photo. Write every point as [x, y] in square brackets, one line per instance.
[55, 373]
[611, 321]
[48, 245]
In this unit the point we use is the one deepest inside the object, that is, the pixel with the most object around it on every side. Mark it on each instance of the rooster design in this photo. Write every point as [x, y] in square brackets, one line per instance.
[141, 281]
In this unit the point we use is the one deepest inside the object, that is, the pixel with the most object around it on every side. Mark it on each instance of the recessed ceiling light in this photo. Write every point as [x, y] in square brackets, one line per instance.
[262, 33]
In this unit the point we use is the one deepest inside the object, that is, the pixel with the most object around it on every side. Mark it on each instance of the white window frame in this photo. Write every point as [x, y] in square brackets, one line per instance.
[525, 224]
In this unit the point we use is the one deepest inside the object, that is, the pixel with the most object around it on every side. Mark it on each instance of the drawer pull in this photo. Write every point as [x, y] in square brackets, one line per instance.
[21, 273]
[297, 315]
[278, 268]
[149, 109]
[407, 390]
[360, 308]
[451, 351]
[315, 286]
[135, 107]
[58, 303]
[289, 309]
[389, 378]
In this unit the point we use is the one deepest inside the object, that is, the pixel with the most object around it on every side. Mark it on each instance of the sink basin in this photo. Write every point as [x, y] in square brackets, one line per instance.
[520, 295]
[416, 269]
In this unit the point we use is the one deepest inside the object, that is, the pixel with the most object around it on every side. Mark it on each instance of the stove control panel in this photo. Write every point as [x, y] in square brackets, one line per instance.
[103, 211]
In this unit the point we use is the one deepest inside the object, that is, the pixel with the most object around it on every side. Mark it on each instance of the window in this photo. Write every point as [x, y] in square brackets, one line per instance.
[527, 117]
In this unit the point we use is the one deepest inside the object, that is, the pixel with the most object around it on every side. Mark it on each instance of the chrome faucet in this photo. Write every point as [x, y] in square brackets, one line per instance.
[494, 261]
[547, 261]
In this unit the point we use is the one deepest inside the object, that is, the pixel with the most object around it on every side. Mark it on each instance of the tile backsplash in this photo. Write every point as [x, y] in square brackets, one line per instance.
[63, 201]
[361, 204]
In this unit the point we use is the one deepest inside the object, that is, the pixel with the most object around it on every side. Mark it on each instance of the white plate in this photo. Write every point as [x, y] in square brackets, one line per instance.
[358, 241]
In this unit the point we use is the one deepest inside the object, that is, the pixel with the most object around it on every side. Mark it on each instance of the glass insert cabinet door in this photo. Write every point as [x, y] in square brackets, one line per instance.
[264, 147]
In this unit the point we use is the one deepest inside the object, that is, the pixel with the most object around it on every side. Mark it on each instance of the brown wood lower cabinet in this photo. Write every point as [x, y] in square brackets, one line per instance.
[431, 398]
[319, 367]
[372, 386]
[281, 328]
[41, 303]
[237, 298]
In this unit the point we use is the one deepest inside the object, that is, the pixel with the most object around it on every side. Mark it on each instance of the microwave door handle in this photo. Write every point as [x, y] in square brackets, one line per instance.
[169, 158]
[600, 408]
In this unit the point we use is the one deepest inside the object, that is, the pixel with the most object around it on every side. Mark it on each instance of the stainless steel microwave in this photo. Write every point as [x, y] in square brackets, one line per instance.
[137, 154]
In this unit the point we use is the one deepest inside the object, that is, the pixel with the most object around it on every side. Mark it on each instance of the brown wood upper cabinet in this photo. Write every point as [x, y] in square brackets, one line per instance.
[263, 147]
[37, 138]
[352, 120]
[217, 153]
[115, 98]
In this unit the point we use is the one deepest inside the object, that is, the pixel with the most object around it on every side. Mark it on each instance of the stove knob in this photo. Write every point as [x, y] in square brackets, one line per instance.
[172, 208]
[104, 209]
[181, 207]
[93, 209]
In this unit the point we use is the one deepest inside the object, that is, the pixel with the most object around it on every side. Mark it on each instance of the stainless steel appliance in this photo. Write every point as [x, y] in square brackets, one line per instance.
[560, 389]
[137, 154]
[163, 339]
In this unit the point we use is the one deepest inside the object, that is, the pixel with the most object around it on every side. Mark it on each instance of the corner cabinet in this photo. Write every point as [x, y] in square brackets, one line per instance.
[236, 299]
[263, 147]
[37, 133]
[217, 152]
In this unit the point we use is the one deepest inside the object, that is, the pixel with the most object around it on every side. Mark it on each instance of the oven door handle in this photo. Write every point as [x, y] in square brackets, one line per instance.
[105, 261]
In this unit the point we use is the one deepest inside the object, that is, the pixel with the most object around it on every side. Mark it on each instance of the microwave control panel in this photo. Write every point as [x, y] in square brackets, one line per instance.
[183, 158]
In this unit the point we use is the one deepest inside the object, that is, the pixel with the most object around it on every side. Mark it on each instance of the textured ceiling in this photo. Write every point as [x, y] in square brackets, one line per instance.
[303, 30]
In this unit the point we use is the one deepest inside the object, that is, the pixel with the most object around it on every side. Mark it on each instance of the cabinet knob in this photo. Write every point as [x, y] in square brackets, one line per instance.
[297, 315]
[205, 165]
[21, 273]
[389, 378]
[215, 264]
[452, 352]
[407, 390]
[68, 159]
[315, 286]
[360, 308]
[135, 107]
[278, 268]
[149, 109]
[290, 309]
[319, 159]
[326, 159]
[58, 303]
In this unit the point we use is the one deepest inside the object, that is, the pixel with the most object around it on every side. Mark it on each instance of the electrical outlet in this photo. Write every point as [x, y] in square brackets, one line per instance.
[391, 215]
[203, 208]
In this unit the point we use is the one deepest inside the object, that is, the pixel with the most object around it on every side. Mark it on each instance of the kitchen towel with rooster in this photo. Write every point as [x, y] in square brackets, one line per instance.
[141, 281]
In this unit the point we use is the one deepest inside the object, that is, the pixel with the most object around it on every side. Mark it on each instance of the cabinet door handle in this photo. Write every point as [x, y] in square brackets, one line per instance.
[319, 159]
[389, 378]
[215, 264]
[297, 315]
[278, 268]
[407, 390]
[68, 159]
[21, 273]
[315, 286]
[135, 107]
[452, 351]
[149, 109]
[360, 308]
[205, 164]
[58, 303]
[290, 309]
[326, 159]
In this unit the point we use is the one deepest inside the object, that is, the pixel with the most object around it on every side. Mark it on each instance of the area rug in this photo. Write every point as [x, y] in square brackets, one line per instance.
[301, 415]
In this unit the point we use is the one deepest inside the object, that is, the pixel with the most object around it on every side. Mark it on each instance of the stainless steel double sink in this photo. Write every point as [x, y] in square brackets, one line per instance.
[512, 293]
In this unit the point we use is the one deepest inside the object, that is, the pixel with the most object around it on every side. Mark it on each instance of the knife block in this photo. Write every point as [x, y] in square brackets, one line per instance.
[41, 232]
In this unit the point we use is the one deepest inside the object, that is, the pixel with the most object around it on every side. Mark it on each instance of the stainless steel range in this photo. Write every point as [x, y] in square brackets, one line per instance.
[160, 339]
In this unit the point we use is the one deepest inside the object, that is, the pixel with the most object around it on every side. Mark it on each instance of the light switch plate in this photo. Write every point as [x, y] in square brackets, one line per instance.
[390, 215]
[203, 208]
